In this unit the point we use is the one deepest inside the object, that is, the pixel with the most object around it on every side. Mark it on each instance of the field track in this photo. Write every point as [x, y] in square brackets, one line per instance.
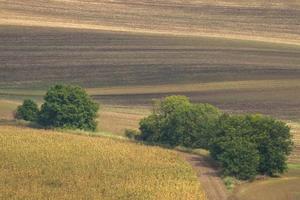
[208, 175]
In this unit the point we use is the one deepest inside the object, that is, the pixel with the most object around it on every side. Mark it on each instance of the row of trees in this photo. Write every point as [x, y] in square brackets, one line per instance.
[245, 145]
[64, 106]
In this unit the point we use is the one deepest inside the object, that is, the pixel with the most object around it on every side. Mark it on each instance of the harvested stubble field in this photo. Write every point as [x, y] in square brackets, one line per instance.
[275, 21]
[7, 108]
[295, 157]
[283, 188]
[38, 164]
[117, 120]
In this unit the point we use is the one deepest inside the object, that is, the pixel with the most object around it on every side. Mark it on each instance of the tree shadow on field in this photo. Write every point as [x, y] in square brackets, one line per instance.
[11, 122]
[210, 167]
[19, 123]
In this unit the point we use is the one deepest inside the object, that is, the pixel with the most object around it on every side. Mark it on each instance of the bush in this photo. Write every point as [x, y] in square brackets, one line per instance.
[229, 182]
[240, 139]
[131, 134]
[201, 125]
[68, 107]
[239, 158]
[28, 111]
[150, 129]
[274, 143]
[176, 121]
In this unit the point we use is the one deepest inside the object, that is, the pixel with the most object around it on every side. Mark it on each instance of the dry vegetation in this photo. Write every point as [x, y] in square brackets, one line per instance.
[283, 188]
[295, 157]
[7, 108]
[37, 164]
[288, 188]
[117, 119]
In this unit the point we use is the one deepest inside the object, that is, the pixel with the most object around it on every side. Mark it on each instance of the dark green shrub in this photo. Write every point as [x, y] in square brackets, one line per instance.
[270, 138]
[28, 111]
[68, 107]
[132, 134]
[176, 121]
[274, 143]
[200, 125]
[150, 129]
[239, 157]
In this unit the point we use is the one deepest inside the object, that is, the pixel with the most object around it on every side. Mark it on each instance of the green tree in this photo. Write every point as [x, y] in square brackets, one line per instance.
[274, 143]
[27, 111]
[165, 124]
[176, 121]
[271, 139]
[239, 157]
[68, 106]
[150, 129]
[200, 125]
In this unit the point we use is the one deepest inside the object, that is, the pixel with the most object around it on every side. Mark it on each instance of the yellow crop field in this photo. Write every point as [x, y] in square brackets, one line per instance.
[41, 164]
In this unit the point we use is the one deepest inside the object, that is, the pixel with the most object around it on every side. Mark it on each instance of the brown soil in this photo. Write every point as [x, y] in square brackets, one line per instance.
[208, 175]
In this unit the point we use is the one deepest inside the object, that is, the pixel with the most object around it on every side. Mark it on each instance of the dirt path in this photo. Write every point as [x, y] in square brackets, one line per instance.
[208, 176]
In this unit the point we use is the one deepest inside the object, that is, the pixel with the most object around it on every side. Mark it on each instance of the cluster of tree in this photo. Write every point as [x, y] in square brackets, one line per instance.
[244, 145]
[175, 121]
[247, 145]
[64, 106]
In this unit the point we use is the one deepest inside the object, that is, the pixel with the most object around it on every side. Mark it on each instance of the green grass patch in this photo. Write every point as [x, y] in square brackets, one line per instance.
[294, 166]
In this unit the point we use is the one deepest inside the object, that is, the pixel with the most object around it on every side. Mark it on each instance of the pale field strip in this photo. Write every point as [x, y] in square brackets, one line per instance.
[6, 109]
[172, 17]
[234, 3]
[6, 20]
[173, 88]
[295, 129]
[200, 87]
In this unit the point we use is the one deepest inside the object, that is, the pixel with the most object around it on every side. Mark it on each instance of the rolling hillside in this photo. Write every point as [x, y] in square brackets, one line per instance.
[37, 164]
[241, 56]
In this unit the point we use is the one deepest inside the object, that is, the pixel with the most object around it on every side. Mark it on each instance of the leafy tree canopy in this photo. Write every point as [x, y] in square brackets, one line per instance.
[28, 111]
[68, 106]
